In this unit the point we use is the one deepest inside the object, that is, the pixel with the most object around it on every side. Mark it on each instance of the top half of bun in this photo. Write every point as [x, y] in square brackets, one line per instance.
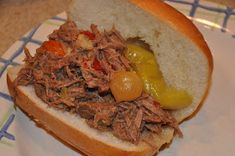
[181, 51]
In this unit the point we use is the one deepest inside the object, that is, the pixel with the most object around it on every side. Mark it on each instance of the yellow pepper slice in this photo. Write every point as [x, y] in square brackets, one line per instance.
[144, 63]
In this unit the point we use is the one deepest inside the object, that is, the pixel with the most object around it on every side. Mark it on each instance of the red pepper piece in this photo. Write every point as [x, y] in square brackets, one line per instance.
[90, 35]
[156, 104]
[96, 65]
[84, 63]
[54, 47]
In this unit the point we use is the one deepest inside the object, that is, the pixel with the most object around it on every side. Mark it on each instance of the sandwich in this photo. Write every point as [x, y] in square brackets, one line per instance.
[117, 78]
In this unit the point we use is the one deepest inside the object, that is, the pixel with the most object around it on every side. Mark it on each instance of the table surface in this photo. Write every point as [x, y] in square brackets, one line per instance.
[19, 16]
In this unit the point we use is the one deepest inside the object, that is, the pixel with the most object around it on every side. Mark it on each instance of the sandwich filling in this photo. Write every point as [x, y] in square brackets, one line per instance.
[72, 72]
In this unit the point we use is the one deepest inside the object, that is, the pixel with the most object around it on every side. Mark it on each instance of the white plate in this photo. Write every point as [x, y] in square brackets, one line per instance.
[210, 132]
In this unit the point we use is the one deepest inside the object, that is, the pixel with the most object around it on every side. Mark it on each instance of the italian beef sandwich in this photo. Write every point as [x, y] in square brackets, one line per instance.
[117, 78]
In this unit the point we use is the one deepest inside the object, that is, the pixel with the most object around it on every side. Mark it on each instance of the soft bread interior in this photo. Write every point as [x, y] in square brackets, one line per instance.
[75, 121]
[181, 60]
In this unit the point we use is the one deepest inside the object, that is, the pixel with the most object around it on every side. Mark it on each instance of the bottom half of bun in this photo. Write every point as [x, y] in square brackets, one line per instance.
[74, 130]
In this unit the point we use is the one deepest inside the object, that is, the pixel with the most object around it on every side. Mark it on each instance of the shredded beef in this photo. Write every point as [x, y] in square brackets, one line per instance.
[154, 128]
[67, 33]
[78, 82]
[127, 124]
[25, 77]
[142, 114]
[99, 115]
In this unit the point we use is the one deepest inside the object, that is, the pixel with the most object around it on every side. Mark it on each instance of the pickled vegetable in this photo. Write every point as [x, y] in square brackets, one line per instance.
[126, 86]
[175, 99]
[147, 68]
[54, 47]
[84, 42]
